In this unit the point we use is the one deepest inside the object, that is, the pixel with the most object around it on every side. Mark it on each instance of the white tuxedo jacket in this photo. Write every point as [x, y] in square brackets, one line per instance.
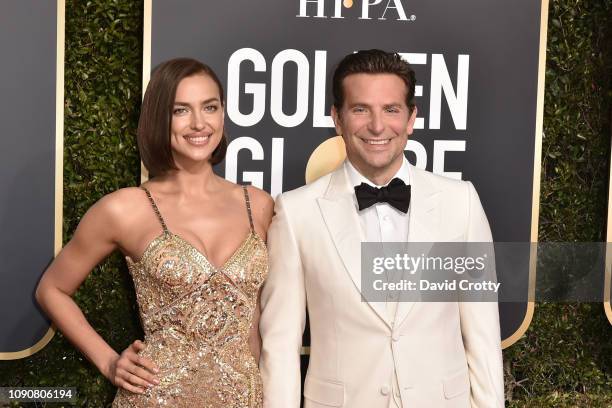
[444, 354]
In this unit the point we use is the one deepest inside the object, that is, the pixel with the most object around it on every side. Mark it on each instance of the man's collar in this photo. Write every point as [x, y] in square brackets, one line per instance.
[356, 178]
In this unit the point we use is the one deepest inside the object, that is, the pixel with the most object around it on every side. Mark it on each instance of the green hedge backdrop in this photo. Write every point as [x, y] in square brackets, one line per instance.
[564, 359]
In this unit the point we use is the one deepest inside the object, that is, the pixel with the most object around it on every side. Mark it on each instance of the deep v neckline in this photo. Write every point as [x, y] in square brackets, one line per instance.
[201, 254]
[167, 233]
[205, 257]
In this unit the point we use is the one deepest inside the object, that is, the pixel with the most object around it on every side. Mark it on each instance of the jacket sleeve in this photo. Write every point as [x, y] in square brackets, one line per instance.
[283, 315]
[480, 327]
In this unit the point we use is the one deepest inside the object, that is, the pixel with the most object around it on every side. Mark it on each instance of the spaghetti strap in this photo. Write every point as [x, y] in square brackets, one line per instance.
[248, 206]
[157, 213]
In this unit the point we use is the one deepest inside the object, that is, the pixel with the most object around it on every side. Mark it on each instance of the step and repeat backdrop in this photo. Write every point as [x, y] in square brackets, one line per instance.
[31, 120]
[480, 73]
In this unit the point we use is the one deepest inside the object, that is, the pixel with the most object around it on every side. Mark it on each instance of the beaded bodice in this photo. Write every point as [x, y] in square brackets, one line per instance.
[197, 320]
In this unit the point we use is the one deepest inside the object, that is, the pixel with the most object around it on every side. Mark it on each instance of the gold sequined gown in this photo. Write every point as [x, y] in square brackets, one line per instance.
[196, 320]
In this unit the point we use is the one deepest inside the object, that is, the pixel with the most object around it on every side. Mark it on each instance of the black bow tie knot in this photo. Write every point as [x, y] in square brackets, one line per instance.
[396, 194]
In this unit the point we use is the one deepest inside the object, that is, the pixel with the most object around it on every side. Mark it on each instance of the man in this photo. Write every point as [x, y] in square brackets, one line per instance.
[364, 355]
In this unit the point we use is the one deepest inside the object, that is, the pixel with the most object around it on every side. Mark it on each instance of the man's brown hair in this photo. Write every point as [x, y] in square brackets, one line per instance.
[373, 62]
[155, 121]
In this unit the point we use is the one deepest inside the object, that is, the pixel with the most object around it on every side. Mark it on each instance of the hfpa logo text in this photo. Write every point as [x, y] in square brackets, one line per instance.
[377, 9]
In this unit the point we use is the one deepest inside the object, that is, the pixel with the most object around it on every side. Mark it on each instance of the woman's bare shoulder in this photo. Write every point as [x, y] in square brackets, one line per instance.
[262, 204]
[120, 206]
[123, 199]
[260, 196]
[257, 196]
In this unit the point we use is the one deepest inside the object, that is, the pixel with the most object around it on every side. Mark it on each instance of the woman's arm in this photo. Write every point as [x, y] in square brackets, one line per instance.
[262, 212]
[95, 238]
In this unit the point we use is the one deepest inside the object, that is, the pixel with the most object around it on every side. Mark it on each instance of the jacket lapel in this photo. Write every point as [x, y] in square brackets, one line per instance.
[423, 225]
[338, 209]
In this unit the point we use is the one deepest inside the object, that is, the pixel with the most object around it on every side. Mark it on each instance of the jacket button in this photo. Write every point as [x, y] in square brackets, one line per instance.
[395, 336]
[384, 390]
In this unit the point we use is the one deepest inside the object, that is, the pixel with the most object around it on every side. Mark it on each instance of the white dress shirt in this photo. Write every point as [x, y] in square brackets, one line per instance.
[383, 223]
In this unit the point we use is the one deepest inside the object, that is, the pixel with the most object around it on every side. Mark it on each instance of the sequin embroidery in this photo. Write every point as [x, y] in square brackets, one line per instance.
[196, 320]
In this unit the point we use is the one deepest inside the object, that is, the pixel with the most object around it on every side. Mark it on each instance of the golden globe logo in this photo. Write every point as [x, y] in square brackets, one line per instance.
[370, 9]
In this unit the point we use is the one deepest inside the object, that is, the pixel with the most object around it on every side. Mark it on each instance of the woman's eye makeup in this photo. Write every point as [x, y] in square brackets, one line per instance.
[209, 107]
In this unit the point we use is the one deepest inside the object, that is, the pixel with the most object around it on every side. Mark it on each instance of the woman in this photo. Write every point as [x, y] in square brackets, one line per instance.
[194, 245]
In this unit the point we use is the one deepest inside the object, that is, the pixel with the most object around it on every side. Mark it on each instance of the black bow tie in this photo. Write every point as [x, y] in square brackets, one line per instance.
[396, 194]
